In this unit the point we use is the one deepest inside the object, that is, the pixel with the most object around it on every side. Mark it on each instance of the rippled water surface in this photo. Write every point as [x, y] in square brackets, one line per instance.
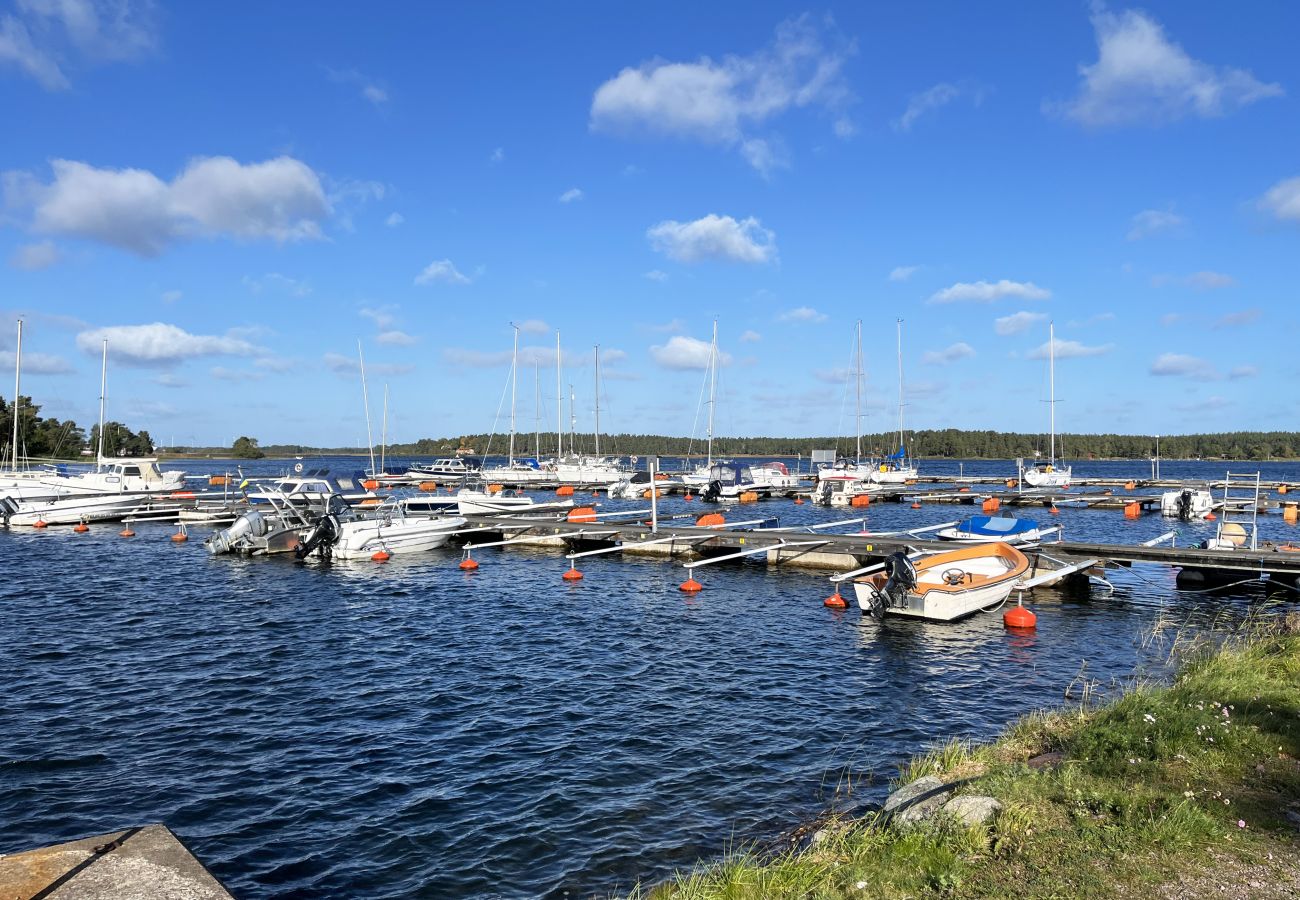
[363, 730]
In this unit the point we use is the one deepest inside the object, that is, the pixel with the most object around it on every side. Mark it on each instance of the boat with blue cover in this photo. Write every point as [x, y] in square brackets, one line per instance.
[1008, 529]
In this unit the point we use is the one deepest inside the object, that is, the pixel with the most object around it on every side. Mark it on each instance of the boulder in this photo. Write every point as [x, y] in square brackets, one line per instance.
[917, 801]
[972, 810]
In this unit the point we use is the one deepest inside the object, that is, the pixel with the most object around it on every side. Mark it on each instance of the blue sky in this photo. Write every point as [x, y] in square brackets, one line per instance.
[235, 197]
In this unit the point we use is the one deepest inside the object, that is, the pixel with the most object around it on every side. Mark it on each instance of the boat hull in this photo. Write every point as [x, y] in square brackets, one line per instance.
[989, 574]
[361, 540]
[73, 511]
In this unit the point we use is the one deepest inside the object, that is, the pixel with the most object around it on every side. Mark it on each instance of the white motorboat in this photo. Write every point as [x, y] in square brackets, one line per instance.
[981, 529]
[483, 503]
[1187, 503]
[944, 586]
[588, 470]
[127, 475]
[312, 488]
[844, 489]
[389, 530]
[74, 510]
[452, 468]
[775, 476]
[1049, 474]
[730, 482]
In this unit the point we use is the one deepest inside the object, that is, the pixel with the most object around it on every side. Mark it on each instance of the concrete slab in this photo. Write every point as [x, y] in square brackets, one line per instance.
[145, 863]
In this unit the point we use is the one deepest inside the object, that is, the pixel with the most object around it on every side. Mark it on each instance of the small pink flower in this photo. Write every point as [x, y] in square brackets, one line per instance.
[1241, 823]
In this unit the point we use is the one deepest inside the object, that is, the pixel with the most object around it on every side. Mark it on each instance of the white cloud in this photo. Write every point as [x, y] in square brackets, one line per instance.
[750, 337]
[394, 219]
[280, 200]
[276, 281]
[1239, 318]
[934, 98]
[1142, 77]
[37, 363]
[32, 257]
[1238, 372]
[656, 275]
[348, 365]
[683, 352]
[369, 89]
[986, 292]
[570, 195]
[1151, 222]
[396, 338]
[1283, 200]
[1069, 350]
[441, 270]
[1208, 281]
[497, 155]
[160, 344]
[41, 34]
[1181, 365]
[802, 314]
[382, 316]
[950, 354]
[714, 237]
[533, 326]
[720, 102]
[375, 94]
[902, 273]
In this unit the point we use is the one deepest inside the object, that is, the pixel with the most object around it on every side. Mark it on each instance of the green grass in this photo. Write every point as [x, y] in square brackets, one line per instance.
[1172, 784]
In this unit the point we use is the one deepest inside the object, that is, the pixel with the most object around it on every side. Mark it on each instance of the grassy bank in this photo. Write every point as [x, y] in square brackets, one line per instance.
[1176, 790]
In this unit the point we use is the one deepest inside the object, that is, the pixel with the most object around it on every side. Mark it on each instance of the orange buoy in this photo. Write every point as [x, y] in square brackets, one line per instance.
[1011, 482]
[1132, 510]
[428, 487]
[688, 498]
[710, 520]
[1210, 517]
[991, 505]
[582, 514]
[865, 500]
[468, 565]
[916, 505]
[180, 537]
[749, 497]
[564, 490]
[1130, 485]
[572, 575]
[370, 484]
[1282, 488]
[798, 501]
[81, 528]
[126, 532]
[835, 600]
[1054, 511]
[494, 488]
[691, 586]
[380, 556]
[1019, 617]
[40, 523]
[660, 476]
[963, 490]
[218, 481]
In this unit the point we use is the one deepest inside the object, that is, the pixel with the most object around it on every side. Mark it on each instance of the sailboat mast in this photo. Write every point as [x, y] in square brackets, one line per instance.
[103, 391]
[365, 398]
[573, 422]
[598, 399]
[18, 374]
[1051, 387]
[900, 384]
[713, 375]
[537, 413]
[559, 403]
[857, 401]
[514, 385]
[383, 436]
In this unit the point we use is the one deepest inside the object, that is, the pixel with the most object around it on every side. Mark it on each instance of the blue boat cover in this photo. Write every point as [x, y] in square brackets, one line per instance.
[899, 455]
[996, 526]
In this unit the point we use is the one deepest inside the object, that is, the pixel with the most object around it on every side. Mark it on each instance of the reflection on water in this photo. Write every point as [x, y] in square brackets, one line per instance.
[348, 729]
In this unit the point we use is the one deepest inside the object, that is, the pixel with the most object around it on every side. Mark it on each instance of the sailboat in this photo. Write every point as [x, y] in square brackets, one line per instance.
[841, 483]
[1048, 475]
[703, 474]
[517, 471]
[575, 469]
[897, 468]
[22, 484]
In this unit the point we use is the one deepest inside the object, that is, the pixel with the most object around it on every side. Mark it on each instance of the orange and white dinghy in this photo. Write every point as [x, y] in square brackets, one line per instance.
[943, 586]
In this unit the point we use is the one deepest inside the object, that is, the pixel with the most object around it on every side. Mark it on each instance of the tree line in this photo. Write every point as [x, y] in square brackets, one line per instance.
[50, 438]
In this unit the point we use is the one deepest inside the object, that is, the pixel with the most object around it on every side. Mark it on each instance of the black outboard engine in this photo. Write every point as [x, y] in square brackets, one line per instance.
[323, 535]
[712, 491]
[901, 578]
[8, 506]
[1185, 506]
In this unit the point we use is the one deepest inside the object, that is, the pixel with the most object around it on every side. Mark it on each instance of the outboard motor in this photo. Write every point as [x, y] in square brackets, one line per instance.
[902, 578]
[712, 491]
[8, 506]
[250, 524]
[323, 535]
[1185, 506]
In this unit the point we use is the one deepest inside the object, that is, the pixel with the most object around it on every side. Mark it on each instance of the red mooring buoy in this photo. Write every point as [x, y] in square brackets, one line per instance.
[380, 556]
[468, 565]
[835, 600]
[1019, 617]
[691, 586]
[572, 575]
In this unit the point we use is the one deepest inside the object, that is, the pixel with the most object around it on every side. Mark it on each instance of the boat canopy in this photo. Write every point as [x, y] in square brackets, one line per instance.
[996, 526]
[899, 454]
[730, 474]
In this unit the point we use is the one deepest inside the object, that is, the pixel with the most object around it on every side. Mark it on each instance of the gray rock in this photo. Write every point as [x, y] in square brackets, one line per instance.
[917, 801]
[819, 837]
[972, 810]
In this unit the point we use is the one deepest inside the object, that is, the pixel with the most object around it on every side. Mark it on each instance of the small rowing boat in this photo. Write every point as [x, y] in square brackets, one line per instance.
[943, 586]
